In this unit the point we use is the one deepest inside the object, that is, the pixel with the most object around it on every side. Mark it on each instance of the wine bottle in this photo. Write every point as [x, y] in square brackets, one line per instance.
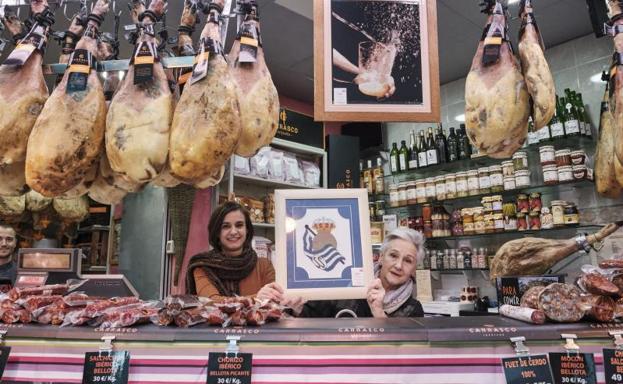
[403, 156]
[557, 128]
[453, 146]
[413, 151]
[588, 130]
[393, 159]
[432, 153]
[572, 123]
[465, 146]
[421, 151]
[441, 144]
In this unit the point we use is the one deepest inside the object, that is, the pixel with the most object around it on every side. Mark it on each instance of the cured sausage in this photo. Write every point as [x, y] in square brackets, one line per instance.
[530, 299]
[599, 285]
[529, 315]
[560, 302]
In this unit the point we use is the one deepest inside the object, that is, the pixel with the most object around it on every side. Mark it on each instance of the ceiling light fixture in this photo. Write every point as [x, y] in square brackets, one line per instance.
[460, 118]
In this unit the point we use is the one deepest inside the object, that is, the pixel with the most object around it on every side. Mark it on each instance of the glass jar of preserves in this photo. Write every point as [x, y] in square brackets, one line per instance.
[402, 194]
[393, 195]
[498, 219]
[508, 169]
[473, 185]
[547, 219]
[558, 211]
[535, 221]
[428, 229]
[520, 161]
[547, 155]
[484, 181]
[565, 174]
[379, 206]
[440, 188]
[550, 174]
[571, 214]
[535, 202]
[479, 221]
[522, 179]
[509, 183]
[461, 184]
[497, 203]
[411, 193]
[579, 172]
[522, 222]
[487, 204]
[523, 204]
[450, 186]
[510, 216]
[427, 212]
[372, 211]
[563, 157]
[496, 178]
[431, 191]
[468, 221]
[420, 191]
[578, 157]
[489, 223]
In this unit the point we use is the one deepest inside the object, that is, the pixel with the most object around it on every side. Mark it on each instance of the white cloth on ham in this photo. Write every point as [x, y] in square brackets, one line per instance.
[68, 135]
[139, 119]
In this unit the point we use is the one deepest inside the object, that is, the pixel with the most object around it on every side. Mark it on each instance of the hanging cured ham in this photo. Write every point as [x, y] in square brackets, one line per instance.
[605, 176]
[139, 117]
[184, 48]
[68, 135]
[23, 91]
[259, 101]
[535, 69]
[616, 80]
[109, 187]
[206, 125]
[496, 97]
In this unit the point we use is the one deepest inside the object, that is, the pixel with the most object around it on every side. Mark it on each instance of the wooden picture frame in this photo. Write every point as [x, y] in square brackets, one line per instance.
[323, 248]
[382, 42]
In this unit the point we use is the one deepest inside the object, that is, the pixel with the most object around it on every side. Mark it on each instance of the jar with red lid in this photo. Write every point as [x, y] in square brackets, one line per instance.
[523, 204]
[535, 202]
[427, 212]
[578, 157]
[535, 221]
[563, 158]
[579, 172]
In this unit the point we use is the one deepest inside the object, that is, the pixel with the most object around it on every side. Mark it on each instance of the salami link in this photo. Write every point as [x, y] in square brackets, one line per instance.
[611, 263]
[599, 285]
[603, 309]
[529, 315]
[530, 298]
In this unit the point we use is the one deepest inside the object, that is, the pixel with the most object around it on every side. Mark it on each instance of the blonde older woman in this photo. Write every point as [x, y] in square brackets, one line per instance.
[390, 294]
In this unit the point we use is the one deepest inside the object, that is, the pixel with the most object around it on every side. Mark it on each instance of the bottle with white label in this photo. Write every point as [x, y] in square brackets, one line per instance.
[572, 122]
[393, 159]
[556, 125]
[413, 152]
[421, 151]
[403, 156]
[432, 153]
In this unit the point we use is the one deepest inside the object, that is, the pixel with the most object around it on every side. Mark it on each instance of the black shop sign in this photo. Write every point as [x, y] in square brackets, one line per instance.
[229, 368]
[4, 358]
[573, 368]
[299, 128]
[106, 367]
[527, 370]
[613, 366]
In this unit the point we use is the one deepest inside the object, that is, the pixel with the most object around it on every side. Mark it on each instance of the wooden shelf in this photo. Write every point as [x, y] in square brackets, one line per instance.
[270, 183]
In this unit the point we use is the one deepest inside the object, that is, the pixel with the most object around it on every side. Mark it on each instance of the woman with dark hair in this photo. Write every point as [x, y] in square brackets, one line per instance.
[232, 267]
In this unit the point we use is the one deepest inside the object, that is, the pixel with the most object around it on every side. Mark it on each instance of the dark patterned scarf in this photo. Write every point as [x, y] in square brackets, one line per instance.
[225, 272]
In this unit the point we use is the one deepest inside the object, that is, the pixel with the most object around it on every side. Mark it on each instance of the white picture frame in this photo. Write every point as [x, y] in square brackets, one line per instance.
[322, 240]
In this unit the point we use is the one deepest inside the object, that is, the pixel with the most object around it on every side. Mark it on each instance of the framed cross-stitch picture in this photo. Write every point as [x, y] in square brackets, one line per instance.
[376, 60]
[323, 248]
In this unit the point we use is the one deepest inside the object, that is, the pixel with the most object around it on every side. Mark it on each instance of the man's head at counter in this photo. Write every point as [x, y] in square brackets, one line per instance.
[8, 241]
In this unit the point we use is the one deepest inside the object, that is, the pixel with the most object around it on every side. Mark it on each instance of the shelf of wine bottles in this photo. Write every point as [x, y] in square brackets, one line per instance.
[538, 233]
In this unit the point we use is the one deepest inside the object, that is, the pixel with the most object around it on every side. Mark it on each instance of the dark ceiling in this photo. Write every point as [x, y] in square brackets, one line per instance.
[287, 33]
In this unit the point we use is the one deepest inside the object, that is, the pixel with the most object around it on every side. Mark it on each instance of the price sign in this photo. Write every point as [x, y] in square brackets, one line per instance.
[4, 357]
[573, 368]
[613, 366]
[527, 370]
[230, 368]
[106, 367]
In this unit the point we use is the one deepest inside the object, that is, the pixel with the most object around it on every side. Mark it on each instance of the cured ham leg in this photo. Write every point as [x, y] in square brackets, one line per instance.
[259, 101]
[206, 124]
[184, 48]
[535, 69]
[139, 117]
[23, 91]
[616, 80]
[605, 159]
[496, 97]
[67, 138]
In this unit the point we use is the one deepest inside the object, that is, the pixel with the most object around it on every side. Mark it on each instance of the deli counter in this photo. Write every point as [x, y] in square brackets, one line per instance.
[404, 350]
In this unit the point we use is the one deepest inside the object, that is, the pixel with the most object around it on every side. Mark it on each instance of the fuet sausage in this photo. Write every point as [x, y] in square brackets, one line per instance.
[529, 315]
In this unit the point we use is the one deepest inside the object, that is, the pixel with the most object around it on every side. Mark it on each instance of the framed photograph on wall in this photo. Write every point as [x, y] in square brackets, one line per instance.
[323, 243]
[376, 60]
